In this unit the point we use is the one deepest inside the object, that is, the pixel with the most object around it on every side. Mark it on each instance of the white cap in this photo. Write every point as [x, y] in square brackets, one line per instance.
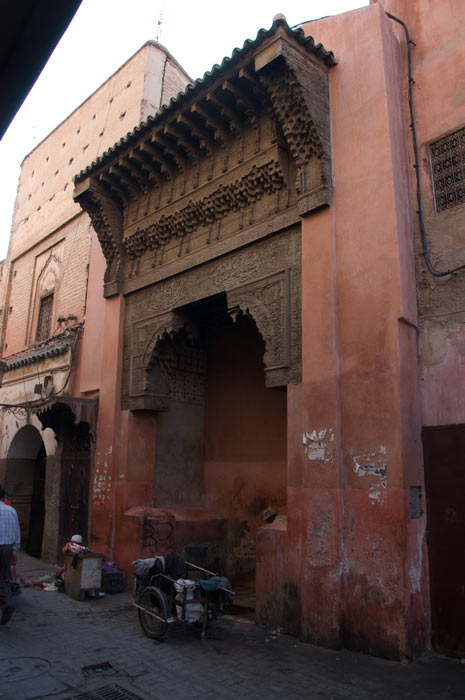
[76, 538]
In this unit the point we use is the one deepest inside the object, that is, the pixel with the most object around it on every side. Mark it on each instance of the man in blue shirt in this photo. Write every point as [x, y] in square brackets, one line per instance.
[10, 539]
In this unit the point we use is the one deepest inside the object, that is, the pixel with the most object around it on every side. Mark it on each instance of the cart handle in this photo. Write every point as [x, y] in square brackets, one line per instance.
[199, 568]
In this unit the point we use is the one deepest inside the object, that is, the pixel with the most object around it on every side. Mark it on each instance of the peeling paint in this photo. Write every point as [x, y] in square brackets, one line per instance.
[370, 463]
[362, 470]
[316, 442]
[102, 484]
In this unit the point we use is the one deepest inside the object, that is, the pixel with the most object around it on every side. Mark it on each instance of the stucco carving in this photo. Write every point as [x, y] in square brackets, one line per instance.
[254, 282]
[243, 192]
[164, 364]
[149, 387]
[267, 301]
[106, 214]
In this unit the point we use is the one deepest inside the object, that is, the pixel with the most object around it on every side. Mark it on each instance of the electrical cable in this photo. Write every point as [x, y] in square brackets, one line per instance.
[424, 241]
[37, 403]
[432, 269]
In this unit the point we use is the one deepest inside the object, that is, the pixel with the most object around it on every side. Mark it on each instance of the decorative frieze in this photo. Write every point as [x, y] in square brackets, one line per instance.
[241, 193]
[255, 283]
[263, 120]
[299, 94]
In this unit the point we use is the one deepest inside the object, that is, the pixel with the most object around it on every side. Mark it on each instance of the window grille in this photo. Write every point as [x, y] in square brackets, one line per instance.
[448, 166]
[44, 320]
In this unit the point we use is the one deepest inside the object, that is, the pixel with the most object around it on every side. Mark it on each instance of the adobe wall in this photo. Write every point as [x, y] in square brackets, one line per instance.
[354, 555]
[50, 229]
[438, 99]
[64, 258]
[53, 248]
[364, 559]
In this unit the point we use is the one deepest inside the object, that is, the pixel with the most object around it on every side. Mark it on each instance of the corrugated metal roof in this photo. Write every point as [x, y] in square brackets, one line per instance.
[238, 54]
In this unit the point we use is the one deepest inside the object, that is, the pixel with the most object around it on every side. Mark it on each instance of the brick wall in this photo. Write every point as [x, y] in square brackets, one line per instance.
[50, 234]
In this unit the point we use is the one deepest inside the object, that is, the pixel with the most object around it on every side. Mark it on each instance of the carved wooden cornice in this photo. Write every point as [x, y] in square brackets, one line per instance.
[215, 206]
[299, 94]
[281, 76]
[107, 219]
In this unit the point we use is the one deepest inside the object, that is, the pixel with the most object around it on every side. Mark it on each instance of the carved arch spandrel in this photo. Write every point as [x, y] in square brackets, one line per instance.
[144, 338]
[106, 214]
[268, 302]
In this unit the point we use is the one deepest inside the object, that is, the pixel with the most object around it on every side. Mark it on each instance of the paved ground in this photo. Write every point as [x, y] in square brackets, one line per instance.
[55, 647]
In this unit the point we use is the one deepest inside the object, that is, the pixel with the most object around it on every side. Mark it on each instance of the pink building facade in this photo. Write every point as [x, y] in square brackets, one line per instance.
[277, 330]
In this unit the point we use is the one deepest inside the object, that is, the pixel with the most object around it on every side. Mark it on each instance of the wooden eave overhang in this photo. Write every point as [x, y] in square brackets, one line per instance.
[56, 346]
[196, 122]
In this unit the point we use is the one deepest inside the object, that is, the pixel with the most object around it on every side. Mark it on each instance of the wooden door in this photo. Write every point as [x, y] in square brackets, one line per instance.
[444, 455]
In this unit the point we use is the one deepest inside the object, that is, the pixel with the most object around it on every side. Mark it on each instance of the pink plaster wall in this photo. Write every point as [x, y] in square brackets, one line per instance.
[438, 30]
[107, 464]
[91, 343]
[360, 369]
[354, 563]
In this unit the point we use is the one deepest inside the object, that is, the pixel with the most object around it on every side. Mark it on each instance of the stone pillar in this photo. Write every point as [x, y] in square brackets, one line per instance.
[107, 451]
[51, 546]
[314, 478]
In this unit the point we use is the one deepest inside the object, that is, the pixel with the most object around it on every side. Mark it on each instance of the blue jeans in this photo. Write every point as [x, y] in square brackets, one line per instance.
[6, 551]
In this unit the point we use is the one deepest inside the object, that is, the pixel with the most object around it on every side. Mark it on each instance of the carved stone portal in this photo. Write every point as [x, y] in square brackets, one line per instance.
[205, 198]
[262, 282]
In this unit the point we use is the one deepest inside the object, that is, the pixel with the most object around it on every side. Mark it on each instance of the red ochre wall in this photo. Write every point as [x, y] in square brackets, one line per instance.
[355, 568]
[351, 568]
[245, 441]
[360, 558]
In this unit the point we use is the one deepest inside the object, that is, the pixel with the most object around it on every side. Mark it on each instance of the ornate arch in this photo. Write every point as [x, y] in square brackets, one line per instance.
[145, 393]
[47, 283]
[268, 302]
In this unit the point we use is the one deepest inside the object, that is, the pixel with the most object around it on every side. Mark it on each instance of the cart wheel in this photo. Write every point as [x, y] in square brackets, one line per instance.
[155, 603]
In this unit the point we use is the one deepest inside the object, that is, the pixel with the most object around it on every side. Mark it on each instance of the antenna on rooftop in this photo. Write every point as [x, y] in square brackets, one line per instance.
[160, 22]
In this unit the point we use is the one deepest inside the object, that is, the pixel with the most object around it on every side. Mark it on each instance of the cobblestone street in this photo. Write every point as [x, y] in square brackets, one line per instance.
[55, 647]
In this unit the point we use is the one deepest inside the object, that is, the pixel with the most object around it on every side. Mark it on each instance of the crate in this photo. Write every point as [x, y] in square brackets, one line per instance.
[83, 572]
[112, 582]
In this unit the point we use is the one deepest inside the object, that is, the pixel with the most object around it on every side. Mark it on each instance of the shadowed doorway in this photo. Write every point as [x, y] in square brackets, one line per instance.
[25, 486]
[222, 444]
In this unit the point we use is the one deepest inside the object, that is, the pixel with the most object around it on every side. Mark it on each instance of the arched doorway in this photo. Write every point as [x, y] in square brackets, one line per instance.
[25, 485]
[245, 448]
[71, 508]
[222, 442]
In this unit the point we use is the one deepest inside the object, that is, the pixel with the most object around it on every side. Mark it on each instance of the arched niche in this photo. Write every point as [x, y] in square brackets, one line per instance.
[25, 474]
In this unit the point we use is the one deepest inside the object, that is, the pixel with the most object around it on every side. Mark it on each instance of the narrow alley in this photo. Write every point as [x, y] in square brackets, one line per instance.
[56, 647]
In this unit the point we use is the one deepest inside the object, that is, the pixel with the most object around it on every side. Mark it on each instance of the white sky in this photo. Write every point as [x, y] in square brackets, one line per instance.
[105, 33]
